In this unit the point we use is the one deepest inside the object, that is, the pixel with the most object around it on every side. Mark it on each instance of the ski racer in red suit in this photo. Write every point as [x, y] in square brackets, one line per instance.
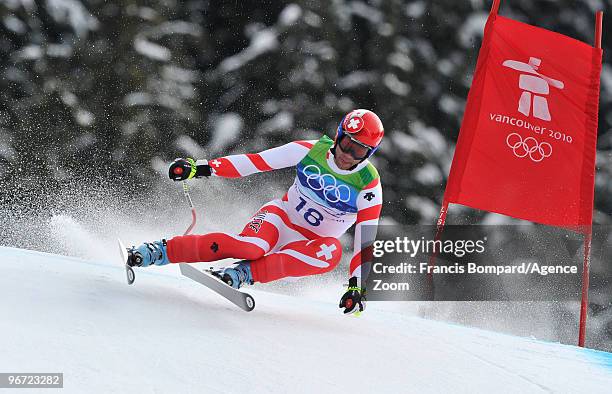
[335, 187]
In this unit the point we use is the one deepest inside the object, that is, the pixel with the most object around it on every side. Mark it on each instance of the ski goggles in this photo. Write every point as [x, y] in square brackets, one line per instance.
[353, 147]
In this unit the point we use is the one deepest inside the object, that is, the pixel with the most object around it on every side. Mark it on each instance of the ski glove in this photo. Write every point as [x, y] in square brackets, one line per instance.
[182, 169]
[354, 300]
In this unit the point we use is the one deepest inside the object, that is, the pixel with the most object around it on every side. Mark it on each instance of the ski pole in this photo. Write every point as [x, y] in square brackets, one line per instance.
[193, 211]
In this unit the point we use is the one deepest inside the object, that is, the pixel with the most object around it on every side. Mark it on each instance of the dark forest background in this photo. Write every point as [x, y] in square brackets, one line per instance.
[100, 90]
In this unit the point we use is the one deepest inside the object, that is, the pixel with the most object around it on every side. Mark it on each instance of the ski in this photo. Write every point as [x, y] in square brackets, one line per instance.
[129, 272]
[238, 298]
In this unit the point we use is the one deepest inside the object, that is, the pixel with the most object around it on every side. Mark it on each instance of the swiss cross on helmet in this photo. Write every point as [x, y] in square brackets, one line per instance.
[362, 126]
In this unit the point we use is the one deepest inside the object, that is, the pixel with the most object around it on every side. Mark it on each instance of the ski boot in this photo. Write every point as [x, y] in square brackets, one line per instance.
[149, 253]
[236, 276]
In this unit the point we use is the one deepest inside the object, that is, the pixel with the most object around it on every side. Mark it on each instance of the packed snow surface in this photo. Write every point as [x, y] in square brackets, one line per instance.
[169, 334]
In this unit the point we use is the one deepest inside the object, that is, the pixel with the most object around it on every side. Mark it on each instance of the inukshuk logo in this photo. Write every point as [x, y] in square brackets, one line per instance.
[534, 87]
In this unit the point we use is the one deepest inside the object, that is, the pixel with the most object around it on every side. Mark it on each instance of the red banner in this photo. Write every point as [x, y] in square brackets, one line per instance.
[527, 142]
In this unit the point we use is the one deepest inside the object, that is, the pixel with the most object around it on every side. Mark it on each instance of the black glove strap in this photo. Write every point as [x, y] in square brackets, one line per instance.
[203, 170]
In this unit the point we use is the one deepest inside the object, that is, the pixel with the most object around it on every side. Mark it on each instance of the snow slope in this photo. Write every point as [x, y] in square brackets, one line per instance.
[169, 334]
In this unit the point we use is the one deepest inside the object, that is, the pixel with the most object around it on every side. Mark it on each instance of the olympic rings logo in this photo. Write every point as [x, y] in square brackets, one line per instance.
[537, 151]
[331, 190]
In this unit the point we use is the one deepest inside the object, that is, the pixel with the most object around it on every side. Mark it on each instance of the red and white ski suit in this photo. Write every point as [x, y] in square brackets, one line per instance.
[279, 240]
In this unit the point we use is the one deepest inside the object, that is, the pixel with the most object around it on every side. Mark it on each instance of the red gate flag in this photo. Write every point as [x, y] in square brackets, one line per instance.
[526, 147]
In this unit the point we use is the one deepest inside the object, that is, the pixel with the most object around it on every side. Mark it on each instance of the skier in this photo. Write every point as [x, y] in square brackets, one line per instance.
[335, 187]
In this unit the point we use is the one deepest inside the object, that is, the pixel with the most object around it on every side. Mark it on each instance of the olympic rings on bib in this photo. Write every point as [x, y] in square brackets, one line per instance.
[537, 151]
[331, 190]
